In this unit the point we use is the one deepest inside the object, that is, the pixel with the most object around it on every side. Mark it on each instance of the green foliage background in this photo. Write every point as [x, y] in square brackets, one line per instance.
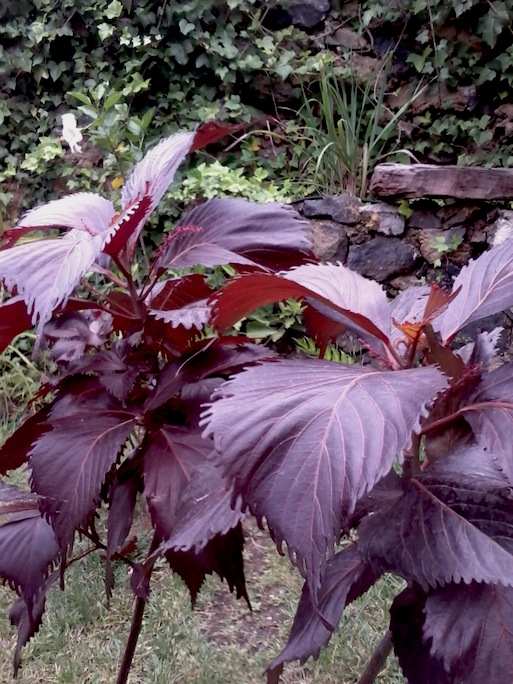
[135, 70]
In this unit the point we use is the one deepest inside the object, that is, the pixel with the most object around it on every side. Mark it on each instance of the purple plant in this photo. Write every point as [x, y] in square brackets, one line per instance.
[405, 457]
[134, 370]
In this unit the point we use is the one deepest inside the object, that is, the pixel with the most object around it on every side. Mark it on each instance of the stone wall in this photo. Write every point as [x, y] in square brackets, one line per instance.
[378, 241]
[401, 244]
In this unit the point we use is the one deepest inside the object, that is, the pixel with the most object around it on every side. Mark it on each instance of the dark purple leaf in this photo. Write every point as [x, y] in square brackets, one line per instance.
[194, 395]
[406, 623]
[471, 627]
[14, 319]
[486, 288]
[15, 450]
[222, 231]
[73, 331]
[70, 463]
[222, 555]
[490, 414]
[444, 439]
[122, 500]
[385, 492]
[296, 439]
[219, 358]
[449, 525]
[117, 369]
[27, 621]
[28, 547]
[309, 634]
[205, 510]
[483, 350]
[168, 463]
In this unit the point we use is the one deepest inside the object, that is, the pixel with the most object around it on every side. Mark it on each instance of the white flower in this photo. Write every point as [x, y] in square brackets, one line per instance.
[70, 132]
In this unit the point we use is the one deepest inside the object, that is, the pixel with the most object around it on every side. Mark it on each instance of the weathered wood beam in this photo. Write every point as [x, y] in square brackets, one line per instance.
[429, 180]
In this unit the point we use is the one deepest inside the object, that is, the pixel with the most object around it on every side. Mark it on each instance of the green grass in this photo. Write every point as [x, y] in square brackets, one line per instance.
[220, 642]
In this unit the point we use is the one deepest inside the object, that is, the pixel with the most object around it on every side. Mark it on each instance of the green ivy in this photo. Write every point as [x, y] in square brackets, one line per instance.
[121, 65]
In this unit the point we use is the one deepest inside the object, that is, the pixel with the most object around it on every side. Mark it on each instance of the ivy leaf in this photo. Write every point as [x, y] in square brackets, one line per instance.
[471, 628]
[448, 526]
[486, 288]
[309, 632]
[222, 231]
[70, 463]
[293, 434]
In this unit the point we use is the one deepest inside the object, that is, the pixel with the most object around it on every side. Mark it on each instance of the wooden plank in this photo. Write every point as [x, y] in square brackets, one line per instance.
[429, 180]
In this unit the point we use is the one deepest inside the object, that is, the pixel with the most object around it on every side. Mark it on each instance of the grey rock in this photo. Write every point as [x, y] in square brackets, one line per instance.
[308, 13]
[347, 38]
[341, 208]
[435, 243]
[382, 218]
[330, 241]
[381, 258]
[424, 219]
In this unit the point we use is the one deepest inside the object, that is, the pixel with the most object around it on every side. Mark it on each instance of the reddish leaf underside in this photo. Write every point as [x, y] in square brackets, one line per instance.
[182, 301]
[14, 319]
[15, 450]
[296, 439]
[246, 293]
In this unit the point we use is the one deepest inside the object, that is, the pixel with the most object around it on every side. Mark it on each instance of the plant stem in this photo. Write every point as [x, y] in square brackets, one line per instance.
[411, 466]
[377, 660]
[135, 627]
